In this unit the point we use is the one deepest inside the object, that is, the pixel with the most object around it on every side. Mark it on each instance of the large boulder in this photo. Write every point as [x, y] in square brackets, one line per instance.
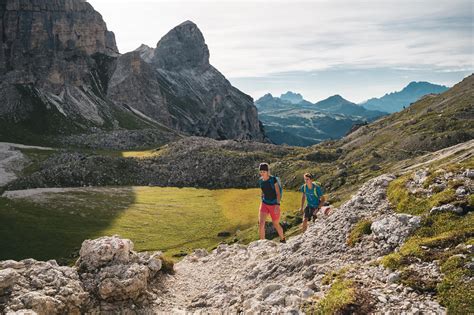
[394, 229]
[43, 287]
[104, 251]
[108, 277]
[114, 274]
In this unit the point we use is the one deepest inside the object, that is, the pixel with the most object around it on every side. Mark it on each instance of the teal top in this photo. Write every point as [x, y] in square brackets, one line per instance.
[312, 195]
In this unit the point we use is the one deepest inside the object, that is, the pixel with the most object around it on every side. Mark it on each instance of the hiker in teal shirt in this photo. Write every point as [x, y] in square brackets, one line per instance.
[313, 195]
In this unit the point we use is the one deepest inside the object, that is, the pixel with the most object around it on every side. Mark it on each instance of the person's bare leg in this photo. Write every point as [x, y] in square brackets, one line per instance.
[261, 225]
[305, 224]
[279, 229]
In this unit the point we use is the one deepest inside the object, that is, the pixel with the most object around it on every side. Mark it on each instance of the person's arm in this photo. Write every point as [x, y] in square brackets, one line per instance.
[277, 190]
[322, 200]
[303, 199]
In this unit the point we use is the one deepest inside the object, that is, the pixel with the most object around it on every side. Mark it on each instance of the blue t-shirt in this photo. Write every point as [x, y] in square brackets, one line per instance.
[313, 194]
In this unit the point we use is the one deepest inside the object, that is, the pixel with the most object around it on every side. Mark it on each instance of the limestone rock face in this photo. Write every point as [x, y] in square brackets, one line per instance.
[108, 277]
[61, 74]
[38, 29]
[54, 62]
[43, 287]
[175, 85]
[182, 48]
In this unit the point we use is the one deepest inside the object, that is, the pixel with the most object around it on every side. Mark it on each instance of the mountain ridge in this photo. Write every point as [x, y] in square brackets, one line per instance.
[396, 101]
[305, 123]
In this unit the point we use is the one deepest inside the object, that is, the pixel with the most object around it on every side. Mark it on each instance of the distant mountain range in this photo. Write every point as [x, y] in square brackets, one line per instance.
[293, 120]
[396, 101]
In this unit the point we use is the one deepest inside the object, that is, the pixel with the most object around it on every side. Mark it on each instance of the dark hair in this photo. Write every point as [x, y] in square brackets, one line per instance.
[263, 167]
[309, 175]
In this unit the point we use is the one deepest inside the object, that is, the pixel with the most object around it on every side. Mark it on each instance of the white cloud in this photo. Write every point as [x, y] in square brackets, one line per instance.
[250, 39]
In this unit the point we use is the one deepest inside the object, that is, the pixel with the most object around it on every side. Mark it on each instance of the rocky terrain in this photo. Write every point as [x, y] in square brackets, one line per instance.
[61, 74]
[192, 161]
[387, 145]
[334, 267]
[13, 161]
[285, 278]
[108, 277]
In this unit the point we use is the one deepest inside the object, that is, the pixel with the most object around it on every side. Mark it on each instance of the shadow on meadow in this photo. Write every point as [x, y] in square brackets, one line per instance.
[173, 220]
[51, 225]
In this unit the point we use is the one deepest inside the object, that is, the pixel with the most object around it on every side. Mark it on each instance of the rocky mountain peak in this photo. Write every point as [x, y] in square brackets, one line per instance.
[182, 48]
[146, 52]
[337, 97]
[37, 27]
[293, 98]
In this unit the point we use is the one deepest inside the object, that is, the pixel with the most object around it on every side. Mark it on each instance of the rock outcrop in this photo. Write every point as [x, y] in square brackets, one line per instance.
[176, 85]
[193, 161]
[108, 277]
[55, 60]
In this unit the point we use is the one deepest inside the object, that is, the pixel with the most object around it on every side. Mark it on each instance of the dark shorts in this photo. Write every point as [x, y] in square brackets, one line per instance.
[309, 211]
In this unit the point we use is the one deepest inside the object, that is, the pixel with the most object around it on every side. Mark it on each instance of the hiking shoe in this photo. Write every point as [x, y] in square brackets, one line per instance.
[283, 240]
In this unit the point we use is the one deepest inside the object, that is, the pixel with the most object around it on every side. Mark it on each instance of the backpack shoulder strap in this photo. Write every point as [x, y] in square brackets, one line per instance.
[315, 189]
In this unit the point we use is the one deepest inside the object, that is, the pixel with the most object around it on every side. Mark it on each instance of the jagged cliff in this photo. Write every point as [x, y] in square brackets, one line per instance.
[175, 84]
[61, 74]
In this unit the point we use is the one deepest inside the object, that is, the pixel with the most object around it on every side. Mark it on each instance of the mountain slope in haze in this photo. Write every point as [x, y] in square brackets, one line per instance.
[396, 101]
[339, 105]
[293, 98]
[304, 123]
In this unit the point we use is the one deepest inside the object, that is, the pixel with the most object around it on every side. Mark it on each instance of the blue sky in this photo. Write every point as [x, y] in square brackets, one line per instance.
[358, 49]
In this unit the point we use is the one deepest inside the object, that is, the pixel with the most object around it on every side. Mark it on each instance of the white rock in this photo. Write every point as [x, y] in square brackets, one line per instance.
[103, 251]
[269, 289]
[447, 208]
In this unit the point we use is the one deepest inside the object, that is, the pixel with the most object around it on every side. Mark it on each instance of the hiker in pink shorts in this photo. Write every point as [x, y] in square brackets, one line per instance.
[270, 202]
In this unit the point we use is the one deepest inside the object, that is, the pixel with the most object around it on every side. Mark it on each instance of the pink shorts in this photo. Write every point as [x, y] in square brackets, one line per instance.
[272, 210]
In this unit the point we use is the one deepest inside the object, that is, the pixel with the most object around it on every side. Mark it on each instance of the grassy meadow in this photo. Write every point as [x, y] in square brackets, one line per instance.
[174, 220]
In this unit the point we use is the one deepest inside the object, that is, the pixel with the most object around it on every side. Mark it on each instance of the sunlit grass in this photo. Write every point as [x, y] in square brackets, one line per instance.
[139, 154]
[174, 220]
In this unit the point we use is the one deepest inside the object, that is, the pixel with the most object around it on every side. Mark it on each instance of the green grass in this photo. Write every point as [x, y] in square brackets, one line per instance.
[36, 157]
[343, 297]
[455, 290]
[437, 232]
[174, 220]
[360, 229]
[341, 294]
[405, 202]
[438, 238]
